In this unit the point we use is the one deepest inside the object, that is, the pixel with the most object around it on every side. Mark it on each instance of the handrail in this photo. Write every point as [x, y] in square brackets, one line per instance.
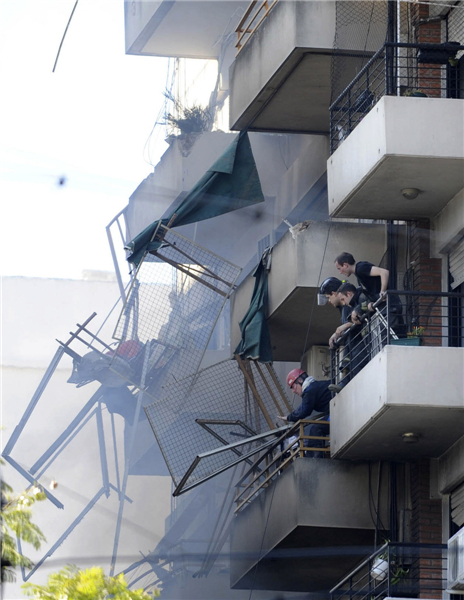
[374, 57]
[389, 551]
[292, 454]
[359, 567]
[243, 28]
[412, 318]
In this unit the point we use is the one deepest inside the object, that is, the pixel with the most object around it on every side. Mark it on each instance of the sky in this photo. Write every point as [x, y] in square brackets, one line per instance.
[71, 141]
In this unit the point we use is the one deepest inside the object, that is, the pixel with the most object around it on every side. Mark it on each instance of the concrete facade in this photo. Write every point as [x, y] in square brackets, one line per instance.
[286, 67]
[179, 29]
[294, 535]
[391, 150]
[280, 82]
[391, 396]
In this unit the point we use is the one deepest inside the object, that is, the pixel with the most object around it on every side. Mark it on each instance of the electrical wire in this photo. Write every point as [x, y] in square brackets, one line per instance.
[170, 74]
[315, 296]
[64, 35]
[262, 542]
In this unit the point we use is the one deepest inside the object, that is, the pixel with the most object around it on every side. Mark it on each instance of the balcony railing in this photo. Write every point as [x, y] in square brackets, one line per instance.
[397, 570]
[292, 444]
[397, 69]
[252, 19]
[406, 319]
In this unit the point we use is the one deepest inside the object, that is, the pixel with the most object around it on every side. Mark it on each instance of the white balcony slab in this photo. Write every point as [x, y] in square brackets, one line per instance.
[281, 79]
[401, 390]
[190, 29]
[403, 142]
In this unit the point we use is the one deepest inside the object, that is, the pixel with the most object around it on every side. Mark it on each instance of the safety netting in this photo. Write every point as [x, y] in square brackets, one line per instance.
[403, 48]
[170, 312]
[227, 402]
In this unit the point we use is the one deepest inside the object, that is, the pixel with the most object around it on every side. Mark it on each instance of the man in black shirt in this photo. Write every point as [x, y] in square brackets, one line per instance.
[373, 279]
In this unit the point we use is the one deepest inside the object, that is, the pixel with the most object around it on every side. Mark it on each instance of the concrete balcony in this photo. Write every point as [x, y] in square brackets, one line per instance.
[301, 533]
[401, 390]
[401, 143]
[180, 29]
[281, 79]
[298, 268]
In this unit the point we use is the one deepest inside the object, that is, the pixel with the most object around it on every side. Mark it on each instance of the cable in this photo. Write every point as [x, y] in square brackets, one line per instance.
[262, 542]
[315, 296]
[64, 35]
[162, 111]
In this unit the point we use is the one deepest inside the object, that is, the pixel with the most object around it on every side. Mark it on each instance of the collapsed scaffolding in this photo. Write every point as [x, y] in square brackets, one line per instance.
[170, 315]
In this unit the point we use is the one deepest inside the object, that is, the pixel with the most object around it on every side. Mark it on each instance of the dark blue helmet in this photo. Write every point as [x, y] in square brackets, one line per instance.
[329, 285]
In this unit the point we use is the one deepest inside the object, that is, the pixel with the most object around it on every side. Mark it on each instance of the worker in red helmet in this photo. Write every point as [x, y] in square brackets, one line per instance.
[315, 396]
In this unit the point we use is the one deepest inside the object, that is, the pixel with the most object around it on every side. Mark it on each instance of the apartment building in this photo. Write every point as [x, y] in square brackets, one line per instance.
[355, 116]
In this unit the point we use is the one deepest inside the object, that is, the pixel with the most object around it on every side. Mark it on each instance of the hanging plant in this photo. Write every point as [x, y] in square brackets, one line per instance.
[188, 119]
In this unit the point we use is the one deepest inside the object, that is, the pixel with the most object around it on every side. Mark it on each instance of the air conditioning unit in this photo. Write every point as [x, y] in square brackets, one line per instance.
[318, 362]
[456, 563]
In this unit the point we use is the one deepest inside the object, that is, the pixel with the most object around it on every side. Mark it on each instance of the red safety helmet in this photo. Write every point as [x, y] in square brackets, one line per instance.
[293, 376]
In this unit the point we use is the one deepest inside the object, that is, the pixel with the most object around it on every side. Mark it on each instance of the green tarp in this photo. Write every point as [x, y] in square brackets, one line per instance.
[231, 183]
[256, 341]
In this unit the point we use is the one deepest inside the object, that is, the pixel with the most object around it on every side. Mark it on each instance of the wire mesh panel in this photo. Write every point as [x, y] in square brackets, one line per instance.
[170, 312]
[396, 48]
[360, 30]
[218, 393]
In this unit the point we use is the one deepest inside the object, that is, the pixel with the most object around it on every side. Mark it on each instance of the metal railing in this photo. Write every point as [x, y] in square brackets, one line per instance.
[406, 319]
[397, 69]
[254, 15]
[397, 570]
[293, 443]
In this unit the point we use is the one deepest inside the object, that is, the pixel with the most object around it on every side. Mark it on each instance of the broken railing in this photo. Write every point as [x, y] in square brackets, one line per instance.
[276, 456]
[254, 15]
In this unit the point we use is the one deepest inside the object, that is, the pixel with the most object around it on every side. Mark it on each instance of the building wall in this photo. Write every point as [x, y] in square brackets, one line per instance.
[35, 312]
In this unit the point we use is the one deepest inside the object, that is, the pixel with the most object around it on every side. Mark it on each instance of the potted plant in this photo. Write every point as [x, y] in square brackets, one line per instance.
[415, 93]
[413, 338]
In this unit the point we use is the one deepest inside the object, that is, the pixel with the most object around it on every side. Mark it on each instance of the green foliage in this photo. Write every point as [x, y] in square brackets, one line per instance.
[72, 583]
[16, 522]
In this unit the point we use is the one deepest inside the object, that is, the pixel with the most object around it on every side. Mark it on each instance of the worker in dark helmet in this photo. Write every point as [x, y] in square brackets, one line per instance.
[328, 292]
[315, 396]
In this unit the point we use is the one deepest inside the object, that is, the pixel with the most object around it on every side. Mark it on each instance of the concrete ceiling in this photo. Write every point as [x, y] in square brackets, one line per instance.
[381, 439]
[180, 29]
[299, 323]
[379, 196]
[309, 559]
[299, 100]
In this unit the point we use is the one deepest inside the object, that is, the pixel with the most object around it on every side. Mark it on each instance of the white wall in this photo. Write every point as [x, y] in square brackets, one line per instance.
[35, 311]
[448, 225]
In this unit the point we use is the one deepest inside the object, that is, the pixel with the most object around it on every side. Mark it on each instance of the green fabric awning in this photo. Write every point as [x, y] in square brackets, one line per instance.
[256, 340]
[231, 183]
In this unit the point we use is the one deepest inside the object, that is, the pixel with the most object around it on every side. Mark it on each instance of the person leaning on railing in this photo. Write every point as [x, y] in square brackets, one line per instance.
[374, 281]
[356, 300]
[315, 396]
[328, 293]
